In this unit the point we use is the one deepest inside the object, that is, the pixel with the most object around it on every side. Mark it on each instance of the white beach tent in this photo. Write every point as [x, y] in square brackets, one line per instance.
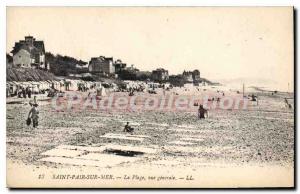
[44, 85]
[48, 83]
[101, 91]
[12, 87]
[89, 84]
[73, 85]
[25, 84]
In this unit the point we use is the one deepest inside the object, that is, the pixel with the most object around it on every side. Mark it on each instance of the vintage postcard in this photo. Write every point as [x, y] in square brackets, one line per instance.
[150, 97]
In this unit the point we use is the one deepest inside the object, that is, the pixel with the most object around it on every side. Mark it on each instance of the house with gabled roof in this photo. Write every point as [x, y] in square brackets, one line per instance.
[102, 65]
[29, 53]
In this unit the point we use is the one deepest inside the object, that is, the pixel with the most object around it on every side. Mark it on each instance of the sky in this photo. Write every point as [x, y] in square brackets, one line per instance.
[226, 44]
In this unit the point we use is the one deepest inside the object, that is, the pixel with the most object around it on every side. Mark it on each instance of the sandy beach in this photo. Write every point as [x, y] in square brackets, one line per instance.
[231, 148]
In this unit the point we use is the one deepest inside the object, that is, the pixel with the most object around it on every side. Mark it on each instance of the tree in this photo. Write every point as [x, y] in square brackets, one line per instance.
[177, 80]
[62, 65]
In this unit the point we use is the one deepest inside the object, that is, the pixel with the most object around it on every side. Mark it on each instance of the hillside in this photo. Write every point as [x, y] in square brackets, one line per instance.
[63, 65]
[24, 74]
[209, 82]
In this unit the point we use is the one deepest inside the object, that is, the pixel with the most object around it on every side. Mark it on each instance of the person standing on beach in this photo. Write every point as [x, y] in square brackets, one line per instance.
[28, 92]
[24, 92]
[202, 112]
[34, 115]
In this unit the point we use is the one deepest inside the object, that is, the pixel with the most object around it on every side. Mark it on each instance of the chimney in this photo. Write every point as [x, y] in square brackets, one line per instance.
[29, 40]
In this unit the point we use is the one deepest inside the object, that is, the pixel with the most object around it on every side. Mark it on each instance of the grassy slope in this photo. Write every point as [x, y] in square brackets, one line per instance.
[23, 74]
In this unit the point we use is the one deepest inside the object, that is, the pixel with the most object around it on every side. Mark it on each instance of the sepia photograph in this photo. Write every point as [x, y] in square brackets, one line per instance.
[150, 97]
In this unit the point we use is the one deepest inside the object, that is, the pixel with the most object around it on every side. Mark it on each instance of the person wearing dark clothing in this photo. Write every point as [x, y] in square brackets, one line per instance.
[28, 91]
[20, 91]
[202, 112]
[127, 128]
[24, 93]
[34, 115]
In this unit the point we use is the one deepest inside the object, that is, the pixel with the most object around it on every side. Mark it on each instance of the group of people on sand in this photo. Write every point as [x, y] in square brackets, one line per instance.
[24, 92]
[33, 115]
[82, 88]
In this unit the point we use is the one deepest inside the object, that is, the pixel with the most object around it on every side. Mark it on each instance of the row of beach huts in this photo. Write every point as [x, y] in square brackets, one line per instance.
[37, 87]
[40, 87]
[13, 88]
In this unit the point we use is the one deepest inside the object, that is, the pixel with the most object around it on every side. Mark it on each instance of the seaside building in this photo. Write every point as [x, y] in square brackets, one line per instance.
[196, 75]
[102, 65]
[119, 66]
[129, 73]
[160, 74]
[29, 53]
[187, 76]
[191, 76]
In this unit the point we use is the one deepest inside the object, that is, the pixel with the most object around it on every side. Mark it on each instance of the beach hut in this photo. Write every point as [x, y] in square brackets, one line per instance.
[25, 84]
[72, 84]
[98, 85]
[101, 92]
[36, 88]
[42, 85]
[11, 89]
[89, 84]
